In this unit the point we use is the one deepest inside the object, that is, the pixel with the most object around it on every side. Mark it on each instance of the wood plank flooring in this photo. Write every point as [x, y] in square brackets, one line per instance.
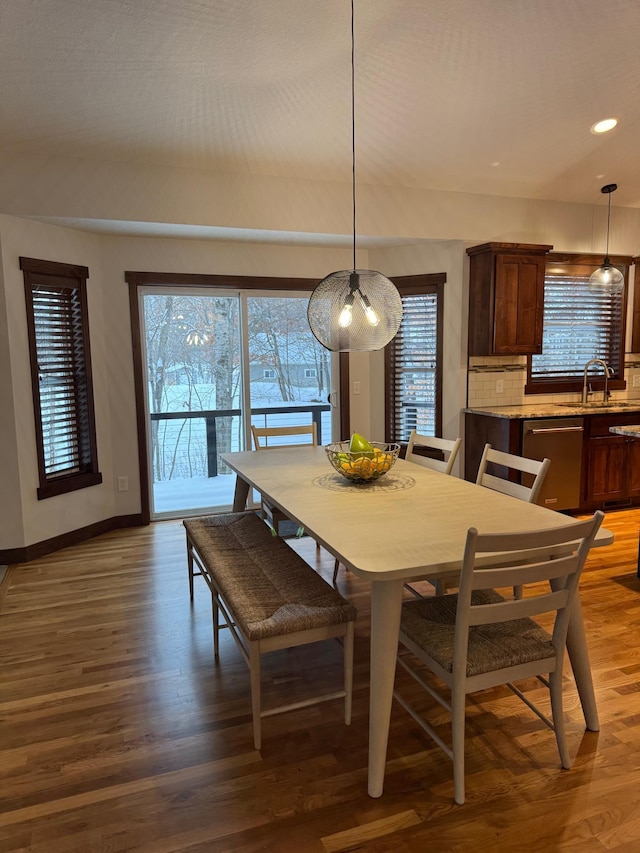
[118, 732]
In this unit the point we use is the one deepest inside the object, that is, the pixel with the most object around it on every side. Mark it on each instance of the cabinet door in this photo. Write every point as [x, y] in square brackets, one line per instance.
[519, 301]
[633, 468]
[606, 468]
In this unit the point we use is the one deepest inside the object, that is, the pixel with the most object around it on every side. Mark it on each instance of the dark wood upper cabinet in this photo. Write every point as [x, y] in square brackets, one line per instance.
[506, 298]
[635, 321]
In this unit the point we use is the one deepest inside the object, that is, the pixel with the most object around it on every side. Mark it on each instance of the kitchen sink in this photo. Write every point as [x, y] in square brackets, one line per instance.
[599, 404]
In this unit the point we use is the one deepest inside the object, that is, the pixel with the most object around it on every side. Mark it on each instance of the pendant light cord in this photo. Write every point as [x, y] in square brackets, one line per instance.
[608, 222]
[353, 133]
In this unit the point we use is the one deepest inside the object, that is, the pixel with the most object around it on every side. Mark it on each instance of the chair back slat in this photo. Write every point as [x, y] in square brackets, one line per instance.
[507, 487]
[518, 608]
[526, 573]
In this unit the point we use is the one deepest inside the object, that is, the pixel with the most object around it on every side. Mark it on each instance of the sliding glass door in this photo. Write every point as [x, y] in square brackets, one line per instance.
[215, 363]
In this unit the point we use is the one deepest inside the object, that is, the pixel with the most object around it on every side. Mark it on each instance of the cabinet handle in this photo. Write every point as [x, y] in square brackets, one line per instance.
[556, 429]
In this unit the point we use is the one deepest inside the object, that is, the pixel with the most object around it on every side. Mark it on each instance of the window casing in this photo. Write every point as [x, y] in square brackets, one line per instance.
[578, 325]
[58, 329]
[413, 368]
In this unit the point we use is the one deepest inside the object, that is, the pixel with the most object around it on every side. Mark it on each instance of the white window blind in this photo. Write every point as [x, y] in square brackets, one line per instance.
[413, 365]
[578, 325]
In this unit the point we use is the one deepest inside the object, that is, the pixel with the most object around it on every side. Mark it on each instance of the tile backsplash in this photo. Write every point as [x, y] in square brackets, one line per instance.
[500, 381]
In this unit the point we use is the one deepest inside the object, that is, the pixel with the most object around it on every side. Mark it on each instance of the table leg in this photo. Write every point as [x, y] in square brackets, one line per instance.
[240, 494]
[386, 603]
[578, 652]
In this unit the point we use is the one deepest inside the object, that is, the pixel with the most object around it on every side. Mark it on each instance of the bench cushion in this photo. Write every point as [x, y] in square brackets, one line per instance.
[268, 588]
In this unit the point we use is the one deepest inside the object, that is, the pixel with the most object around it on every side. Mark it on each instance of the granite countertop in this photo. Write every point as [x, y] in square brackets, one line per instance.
[633, 431]
[556, 410]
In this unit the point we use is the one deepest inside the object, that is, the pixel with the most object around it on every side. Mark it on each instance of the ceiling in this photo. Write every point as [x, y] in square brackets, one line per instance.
[481, 96]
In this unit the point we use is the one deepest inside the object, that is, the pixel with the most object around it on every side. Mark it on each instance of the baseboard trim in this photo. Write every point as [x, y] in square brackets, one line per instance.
[73, 537]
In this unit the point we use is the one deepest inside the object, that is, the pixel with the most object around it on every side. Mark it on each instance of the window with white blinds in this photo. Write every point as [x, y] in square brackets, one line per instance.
[414, 366]
[578, 326]
[60, 369]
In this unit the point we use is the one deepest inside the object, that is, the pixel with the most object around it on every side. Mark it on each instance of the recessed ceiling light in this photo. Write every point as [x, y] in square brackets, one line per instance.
[604, 125]
[496, 163]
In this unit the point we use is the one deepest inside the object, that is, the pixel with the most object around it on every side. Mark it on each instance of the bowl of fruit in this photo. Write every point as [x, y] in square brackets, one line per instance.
[362, 461]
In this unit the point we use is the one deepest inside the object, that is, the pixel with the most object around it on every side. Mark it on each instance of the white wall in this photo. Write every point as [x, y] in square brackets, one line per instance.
[11, 527]
[39, 186]
[41, 520]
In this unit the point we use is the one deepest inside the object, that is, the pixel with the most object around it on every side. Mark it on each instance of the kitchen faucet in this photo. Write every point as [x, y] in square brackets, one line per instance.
[607, 374]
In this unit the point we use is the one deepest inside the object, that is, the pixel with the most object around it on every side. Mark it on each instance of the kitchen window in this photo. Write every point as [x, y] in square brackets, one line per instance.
[58, 330]
[578, 325]
[413, 368]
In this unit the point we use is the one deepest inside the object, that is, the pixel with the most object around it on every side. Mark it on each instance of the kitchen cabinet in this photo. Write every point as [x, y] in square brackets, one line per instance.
[635, 315]
[610, 471]
[612, 462]
[506, 298]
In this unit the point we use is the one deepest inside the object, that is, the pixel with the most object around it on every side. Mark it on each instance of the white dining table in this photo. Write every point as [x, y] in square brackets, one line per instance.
[409, 525]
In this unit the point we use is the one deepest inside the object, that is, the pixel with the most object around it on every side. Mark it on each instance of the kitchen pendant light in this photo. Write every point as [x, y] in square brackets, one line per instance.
[354, 310]
[607, 278]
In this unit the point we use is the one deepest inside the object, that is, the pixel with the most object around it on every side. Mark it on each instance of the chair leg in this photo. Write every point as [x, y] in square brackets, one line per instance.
[336, 566]
[458, 699]
[254, 672]
[348, 673]
[557, 712]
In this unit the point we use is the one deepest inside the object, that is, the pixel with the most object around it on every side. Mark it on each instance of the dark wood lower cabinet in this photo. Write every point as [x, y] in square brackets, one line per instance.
[606, 475]
[611, 469]
[633, 468]
[610, 463]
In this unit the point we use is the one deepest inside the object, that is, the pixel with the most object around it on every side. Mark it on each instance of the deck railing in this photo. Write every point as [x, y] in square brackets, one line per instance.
[211, 417]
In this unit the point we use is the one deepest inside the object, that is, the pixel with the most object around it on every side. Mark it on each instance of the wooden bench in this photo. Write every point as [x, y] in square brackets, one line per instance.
[268, 597]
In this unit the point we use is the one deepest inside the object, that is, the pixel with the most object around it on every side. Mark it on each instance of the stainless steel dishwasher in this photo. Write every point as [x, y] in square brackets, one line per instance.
[559, 439]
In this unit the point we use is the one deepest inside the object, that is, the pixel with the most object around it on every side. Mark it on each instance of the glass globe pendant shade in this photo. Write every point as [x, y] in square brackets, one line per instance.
[606, 279]
[355, 311]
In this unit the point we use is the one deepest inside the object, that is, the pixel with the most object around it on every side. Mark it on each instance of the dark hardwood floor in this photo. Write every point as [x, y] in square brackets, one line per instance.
[118, 732]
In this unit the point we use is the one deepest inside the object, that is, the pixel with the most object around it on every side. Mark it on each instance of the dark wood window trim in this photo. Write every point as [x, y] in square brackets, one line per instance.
[418, 285]
[583, 264]
[137, 280]
[69, 282]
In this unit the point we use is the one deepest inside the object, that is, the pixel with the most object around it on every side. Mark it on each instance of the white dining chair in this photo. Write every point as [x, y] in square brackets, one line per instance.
[272, 438]
[446, 448]
[475, 639]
